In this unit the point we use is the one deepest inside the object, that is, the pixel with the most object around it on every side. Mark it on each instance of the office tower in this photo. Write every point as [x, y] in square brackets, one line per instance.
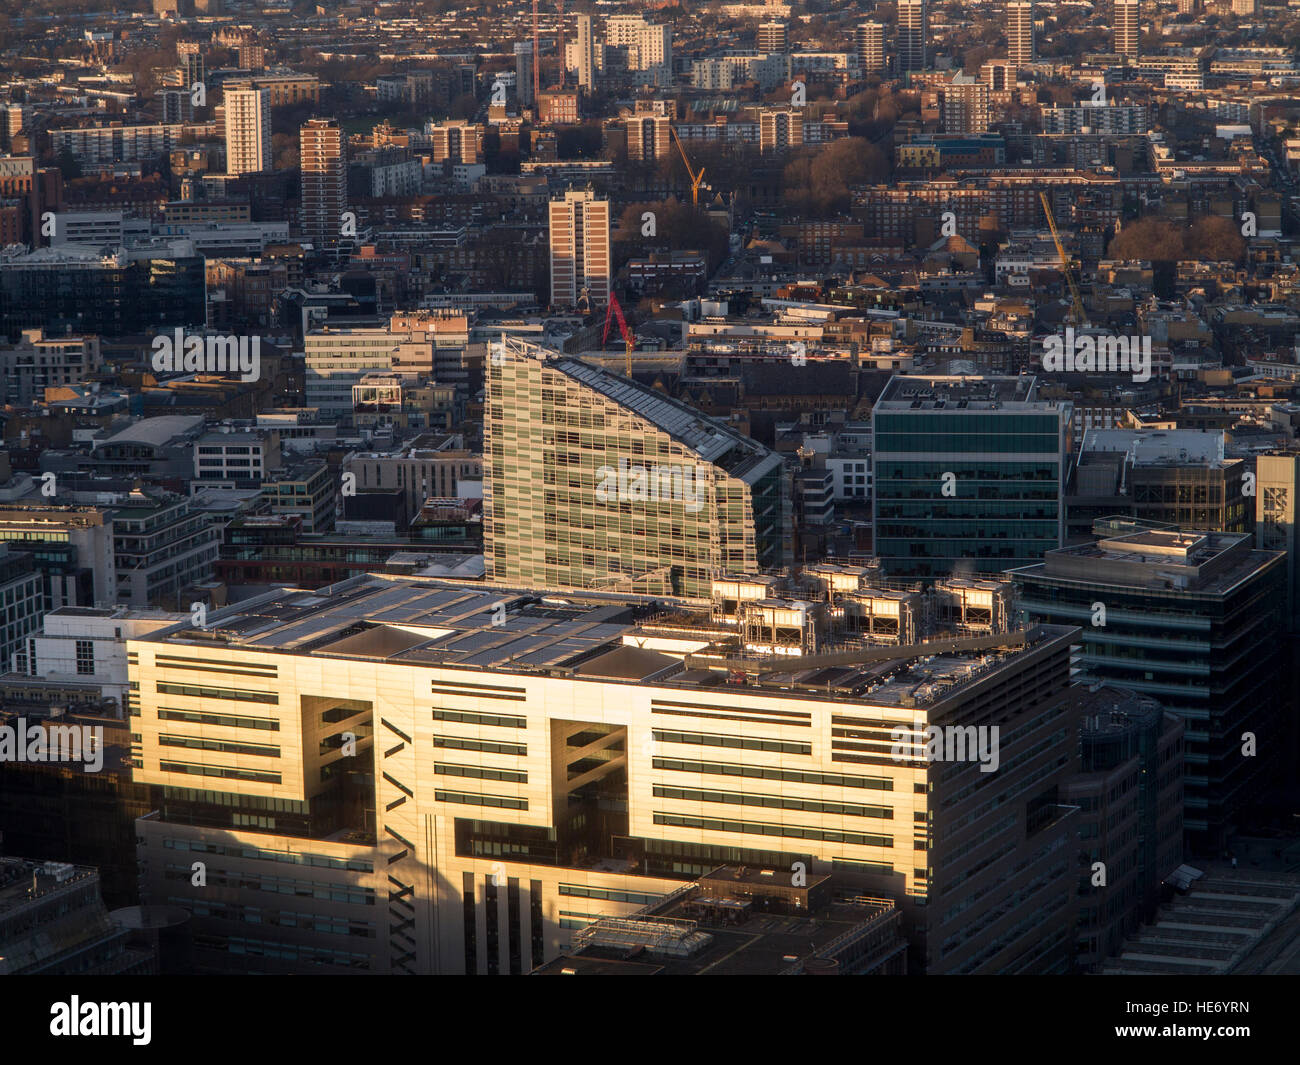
[456, 142]
[968, 473]
[869, 39]
[308, 490]
[1020, 32]
[22, 585]
[1194, 620]
[1130, 797]
[449, 778]
[73, 287]
[162, 544]
[524, 73]
[910, 44]
[587, 45]
[965, 105]
[599, 517]
[1179, 478]
[648, 136]
[248, 131]
[73, 546]
[337, 359]
[1277, 497]
[53, 922]
[780, 130]
[174, 106]
[38, 361]
[773, 37]
[324, 182]
[1245, 8]
[580, 254]
[1126, 27]
[55, 810]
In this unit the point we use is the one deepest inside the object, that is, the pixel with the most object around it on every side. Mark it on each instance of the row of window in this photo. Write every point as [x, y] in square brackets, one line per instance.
[236, 694]
[322, 861]
[480, 772]
[763, 772]
[222, 746]
[745, 743]
[758, 828]
[230, 772]
[465, 799]
[197, 717]
[776, 802]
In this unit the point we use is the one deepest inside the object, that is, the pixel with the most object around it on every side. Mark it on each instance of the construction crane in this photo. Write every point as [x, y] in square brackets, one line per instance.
[1079, 318]
[614, 311]
[695, 178]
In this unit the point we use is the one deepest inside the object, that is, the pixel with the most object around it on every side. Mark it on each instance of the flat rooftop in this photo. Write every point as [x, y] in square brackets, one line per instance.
[425, 622]
[23, 881]
[1208, 562]
[1157, 446]
[961, 392]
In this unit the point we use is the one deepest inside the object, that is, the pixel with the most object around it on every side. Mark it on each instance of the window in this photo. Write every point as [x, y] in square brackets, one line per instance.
[85, 657]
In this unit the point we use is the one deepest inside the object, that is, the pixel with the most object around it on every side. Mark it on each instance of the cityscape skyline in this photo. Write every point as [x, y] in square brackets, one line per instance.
[758, 488]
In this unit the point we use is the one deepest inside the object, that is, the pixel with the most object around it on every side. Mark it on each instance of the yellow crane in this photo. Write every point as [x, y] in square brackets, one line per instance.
[695, 178]
[1080, 318]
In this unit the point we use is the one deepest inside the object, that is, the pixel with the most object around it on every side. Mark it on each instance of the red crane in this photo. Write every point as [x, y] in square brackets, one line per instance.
[614, 311]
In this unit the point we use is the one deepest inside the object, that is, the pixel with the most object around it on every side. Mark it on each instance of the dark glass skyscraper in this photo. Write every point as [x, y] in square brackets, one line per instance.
[1194, 621]
[968, 474]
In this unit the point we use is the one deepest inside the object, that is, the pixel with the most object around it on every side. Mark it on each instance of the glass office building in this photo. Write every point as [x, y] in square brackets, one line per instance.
[1193, 620]
[968, 474]
[593, 481]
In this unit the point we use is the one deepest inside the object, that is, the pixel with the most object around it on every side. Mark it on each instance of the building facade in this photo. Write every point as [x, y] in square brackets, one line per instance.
[580, 249]
[1194, 620]
[439, 793]
[967, 472]
[591, 480]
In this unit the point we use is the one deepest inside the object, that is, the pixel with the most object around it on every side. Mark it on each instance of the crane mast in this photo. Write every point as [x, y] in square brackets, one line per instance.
[1079, 317]
[695, 178]
[612, 312]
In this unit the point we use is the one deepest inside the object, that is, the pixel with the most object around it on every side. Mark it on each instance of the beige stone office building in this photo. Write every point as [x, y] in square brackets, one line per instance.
[397, 775]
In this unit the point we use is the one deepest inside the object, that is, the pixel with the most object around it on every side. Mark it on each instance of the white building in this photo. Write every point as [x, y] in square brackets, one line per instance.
[87, 645]
[248, 130]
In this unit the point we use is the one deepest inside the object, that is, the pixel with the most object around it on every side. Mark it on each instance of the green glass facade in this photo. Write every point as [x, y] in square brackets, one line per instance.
[1001, 506]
